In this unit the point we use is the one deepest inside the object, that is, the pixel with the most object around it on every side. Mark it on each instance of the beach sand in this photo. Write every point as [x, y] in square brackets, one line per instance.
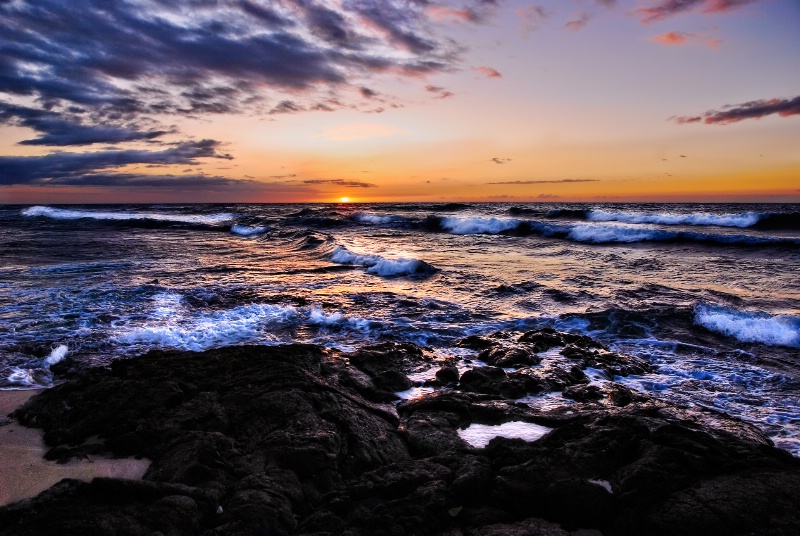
[24, 472]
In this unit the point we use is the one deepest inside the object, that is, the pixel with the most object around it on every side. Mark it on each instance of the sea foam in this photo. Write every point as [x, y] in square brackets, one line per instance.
[212, 329]
[773, 330]
[479, 435]
[71, 214]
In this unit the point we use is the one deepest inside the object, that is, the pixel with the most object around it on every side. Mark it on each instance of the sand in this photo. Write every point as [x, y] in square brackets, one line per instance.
[24, 472]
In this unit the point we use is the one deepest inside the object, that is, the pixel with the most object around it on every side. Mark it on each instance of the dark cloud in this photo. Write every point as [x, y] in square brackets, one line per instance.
[667, 8]
[57, 130]
[290, 176]
[341, 182]
[500, 160]
[111, 72]
[120, 60]
[560, 181]
[79, 168]
[749, 110]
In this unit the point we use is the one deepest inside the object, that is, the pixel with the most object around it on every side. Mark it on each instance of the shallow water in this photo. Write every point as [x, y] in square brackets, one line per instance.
[709, 293]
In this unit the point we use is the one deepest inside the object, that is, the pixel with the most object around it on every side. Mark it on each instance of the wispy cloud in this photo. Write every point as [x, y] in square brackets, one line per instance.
[488, 72]
[560, 181]
[665, 9]
[342, 182]
[682, 38]
[579, 23]
[500, 160]
[440, 92]
[748, 110]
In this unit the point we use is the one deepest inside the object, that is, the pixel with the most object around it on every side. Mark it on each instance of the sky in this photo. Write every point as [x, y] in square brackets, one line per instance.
[156, 101]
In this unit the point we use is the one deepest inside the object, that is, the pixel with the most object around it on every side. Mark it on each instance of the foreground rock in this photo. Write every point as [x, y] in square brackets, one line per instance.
[295, 440]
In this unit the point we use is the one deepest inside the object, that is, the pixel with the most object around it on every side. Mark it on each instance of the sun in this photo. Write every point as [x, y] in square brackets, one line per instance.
[345, 199]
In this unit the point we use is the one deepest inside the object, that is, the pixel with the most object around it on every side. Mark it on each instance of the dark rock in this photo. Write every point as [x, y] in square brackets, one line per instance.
[294, 440]
[507, 357]
[475, 342]
[447, 374]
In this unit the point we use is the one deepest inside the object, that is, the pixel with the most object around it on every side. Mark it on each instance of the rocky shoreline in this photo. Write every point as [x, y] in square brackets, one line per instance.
[297, 439]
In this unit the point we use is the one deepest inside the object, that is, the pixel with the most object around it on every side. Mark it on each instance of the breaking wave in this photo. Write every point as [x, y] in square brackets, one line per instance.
[381, 266]
[772, 330]
[72, 214]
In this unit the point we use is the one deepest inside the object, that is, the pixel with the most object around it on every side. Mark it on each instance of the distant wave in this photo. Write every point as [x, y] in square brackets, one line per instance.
[773, 330]
[596, 233]
[71, 214]
[381, 266]
[747, 219]
[756, 220]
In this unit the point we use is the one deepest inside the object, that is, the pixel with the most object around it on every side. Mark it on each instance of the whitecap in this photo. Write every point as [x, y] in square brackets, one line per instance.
[381, 266]
[615, 233]
[773, 330]
[376, 219]
[245, 230]
[463, 226]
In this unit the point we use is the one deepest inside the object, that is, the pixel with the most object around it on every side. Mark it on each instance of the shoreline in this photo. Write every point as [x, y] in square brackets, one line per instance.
[24, 471]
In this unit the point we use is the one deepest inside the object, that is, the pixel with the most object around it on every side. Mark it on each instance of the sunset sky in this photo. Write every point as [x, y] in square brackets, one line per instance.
[406, 100]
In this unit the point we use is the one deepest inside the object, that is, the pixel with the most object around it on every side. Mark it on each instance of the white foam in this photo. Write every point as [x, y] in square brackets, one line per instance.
[379, 265]
[22, 376]
[69, 214]
[479, 435]
[216, 328]
[478, 225]
[58, 353]
[747, 219]
[615, 233]
[773, 330]
[414, 392]
[605, 484]
[244, 230]
[318, 317]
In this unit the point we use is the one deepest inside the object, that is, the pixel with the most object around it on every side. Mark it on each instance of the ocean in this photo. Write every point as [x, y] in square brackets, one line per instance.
[710, 294]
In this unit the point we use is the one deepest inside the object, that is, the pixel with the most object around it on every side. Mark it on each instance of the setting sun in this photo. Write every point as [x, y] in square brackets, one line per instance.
[345, 199]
